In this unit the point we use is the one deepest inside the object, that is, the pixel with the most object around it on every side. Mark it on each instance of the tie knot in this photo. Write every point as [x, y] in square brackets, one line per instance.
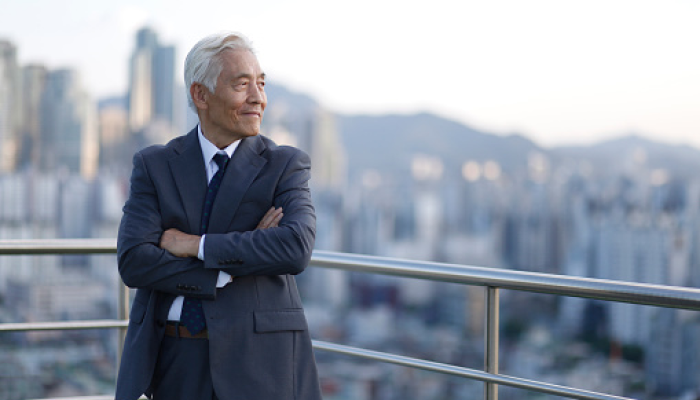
[221, 160]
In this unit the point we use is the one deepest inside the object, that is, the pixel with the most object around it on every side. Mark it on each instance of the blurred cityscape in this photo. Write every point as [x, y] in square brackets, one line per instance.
[408, 186]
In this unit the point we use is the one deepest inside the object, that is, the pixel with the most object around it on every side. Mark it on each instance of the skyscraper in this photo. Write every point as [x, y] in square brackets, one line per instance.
[114, 134]
[68, 125]
[151, 87]
[9, 116]
[33, 85]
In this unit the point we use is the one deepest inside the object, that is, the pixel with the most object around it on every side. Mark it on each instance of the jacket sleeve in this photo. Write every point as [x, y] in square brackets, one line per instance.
[142, 263]
[285, 249]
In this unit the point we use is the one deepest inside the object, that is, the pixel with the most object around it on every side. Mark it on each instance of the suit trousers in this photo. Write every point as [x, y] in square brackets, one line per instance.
[182, 371]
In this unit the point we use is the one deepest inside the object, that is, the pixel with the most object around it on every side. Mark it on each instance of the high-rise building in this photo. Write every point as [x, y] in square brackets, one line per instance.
[671, 361]
[33, 85]
[114, 133]
[151, 98]
[9, 115]
[164, 83]
[326, 152]
[68, 125]
[633, 250]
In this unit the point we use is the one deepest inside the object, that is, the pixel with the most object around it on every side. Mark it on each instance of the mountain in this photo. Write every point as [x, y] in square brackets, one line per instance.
[278, 94]
[389, 142]
[680, 160]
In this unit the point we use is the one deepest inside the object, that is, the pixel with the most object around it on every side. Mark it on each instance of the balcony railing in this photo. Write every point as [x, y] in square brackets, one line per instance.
[492, 279]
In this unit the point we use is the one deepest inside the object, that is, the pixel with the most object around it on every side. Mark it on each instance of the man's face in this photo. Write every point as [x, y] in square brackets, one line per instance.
[235, 109]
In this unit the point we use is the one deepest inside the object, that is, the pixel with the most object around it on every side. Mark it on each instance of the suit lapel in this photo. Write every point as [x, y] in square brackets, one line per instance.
[190, 177]
[244, 167]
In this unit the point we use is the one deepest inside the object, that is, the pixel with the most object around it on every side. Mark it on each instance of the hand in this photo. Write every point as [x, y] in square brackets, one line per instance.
[179, 243]
[271, 218]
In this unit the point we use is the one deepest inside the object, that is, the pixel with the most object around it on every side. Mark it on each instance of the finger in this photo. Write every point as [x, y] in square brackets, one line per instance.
[270, 219]
[266, 218]
[262, 220]
[265, 221]
[269, 215]
[275, 222]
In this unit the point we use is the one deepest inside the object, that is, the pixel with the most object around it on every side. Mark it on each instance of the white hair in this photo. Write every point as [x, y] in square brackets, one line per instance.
[203, 63]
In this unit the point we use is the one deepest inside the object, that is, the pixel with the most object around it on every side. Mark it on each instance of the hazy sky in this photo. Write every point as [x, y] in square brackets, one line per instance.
[557, 71]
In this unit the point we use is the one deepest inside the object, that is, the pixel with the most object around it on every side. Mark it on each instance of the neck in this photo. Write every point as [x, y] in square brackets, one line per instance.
[218, 139]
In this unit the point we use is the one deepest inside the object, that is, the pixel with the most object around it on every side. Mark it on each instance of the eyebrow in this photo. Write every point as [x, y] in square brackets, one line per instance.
[245, 75]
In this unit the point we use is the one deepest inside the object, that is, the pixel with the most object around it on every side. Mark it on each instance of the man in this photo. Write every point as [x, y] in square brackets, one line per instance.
[212, 245]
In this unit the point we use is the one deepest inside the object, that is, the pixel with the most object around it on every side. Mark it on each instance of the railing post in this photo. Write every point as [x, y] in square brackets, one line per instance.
[122, 314]
[491, 339]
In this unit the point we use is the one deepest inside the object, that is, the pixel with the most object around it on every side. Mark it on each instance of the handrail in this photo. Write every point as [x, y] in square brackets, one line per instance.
[63, 325]
[58, 246]
[491, 278]
[462, 372]
[563, 285]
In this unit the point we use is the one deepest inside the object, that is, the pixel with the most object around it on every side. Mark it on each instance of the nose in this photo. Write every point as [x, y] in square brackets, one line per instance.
[256, 94]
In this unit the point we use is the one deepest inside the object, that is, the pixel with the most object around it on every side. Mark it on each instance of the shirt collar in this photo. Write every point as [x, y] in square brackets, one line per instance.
[209, 149]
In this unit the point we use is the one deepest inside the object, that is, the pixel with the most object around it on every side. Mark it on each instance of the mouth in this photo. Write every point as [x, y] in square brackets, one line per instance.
[252, 114]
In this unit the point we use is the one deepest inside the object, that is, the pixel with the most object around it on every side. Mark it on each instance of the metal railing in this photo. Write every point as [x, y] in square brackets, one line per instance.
[490, 278]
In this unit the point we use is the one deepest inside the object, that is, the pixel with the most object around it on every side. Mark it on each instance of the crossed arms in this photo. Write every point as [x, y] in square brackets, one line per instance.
[158, 257]
[182, 244]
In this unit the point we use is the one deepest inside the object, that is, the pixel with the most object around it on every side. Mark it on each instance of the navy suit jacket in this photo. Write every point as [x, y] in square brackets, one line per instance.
[258, 337]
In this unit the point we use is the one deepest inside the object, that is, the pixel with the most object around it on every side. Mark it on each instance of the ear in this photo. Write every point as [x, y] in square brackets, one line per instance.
[199, 95]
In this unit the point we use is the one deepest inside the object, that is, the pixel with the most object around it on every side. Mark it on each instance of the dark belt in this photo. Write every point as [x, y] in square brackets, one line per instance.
[174, 329]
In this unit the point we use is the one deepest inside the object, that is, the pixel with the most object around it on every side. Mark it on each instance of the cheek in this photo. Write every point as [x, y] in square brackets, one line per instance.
[233, 114]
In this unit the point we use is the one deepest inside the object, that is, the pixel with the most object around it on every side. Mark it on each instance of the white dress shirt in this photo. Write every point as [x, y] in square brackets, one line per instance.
[208, 152]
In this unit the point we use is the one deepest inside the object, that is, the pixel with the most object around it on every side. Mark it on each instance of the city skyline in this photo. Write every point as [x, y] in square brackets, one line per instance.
[559, 74]
[624, 211]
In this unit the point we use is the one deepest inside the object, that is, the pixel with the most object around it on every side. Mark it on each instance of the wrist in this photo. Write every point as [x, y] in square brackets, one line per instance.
[193, 246]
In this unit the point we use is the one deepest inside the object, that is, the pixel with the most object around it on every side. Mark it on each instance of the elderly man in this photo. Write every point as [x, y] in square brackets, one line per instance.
[217, 223]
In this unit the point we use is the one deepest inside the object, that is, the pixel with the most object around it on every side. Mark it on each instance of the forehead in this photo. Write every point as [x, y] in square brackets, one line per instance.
[239, 62]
